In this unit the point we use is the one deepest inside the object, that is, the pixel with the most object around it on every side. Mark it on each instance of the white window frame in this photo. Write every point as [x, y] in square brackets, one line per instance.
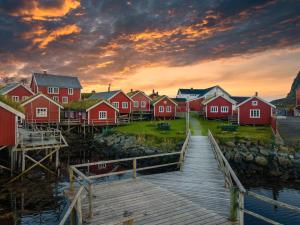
[63, 99]
[254, 103]
[143, 104]
[168, 108]
[24, 98]
[53, 90]
[214, 109]
[15, 98]
[45, 114]
[224, 109]
[70, 91]
[124, 105]
[254, 113]
[161, 109]
[116, 104]
[102, 115]
[55, 98]
[136, 104]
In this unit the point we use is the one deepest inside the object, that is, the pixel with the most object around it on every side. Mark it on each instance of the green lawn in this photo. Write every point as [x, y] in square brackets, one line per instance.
[149, 128]
[251, 133]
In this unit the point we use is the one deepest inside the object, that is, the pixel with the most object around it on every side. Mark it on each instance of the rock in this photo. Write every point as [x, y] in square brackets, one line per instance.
[253, 149]
[230, 144]
[283, 148]
[297, 155]
[275, 173]
[261, 161]
[285, 162]
[249, 157]
[237, 158]
[264, 151]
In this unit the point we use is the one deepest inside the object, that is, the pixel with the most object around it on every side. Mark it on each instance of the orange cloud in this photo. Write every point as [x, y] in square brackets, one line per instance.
[37, 12]
[104, 64]
[43, 39]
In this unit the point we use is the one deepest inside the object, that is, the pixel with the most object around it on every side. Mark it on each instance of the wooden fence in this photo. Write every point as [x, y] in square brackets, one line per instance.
[238, 191]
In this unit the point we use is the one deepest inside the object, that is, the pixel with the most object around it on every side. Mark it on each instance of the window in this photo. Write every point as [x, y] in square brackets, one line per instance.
[254, 113]
[224, 109]
[136, 104]
[214, 109]
[168, 108]
[70, 91]
[24, 98]
[116, 104]
[41, 112]
[53, 90]
[160, 109]
[254, 103]
[65, 99]
[15, 98]
[124, 105]
[55, 98]
[102, 115]
[143, 104]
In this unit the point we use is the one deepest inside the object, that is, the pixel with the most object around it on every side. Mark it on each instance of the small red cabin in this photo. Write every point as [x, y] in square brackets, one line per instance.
[141, 102]
[181, 105]
[102, 113]
[9, 124]
[118, 99]
[255, 111]
[16, 91]
[62, 89]
[195, 104]
[41, 109]
[218, 107]
[164, 107]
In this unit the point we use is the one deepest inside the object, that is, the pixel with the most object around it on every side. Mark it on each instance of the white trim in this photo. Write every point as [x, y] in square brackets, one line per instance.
[238, 116]
[102, 101]
[134, 104]
[65, 97]
[105, 113]
[123, 105]
[193, 99]
[41, 95]
[256, 103]
[116, 105]
[254, 117]
[164, 98]
[168, 107]
[224, 107]
[53, 93]
[214, 107]
[45, 109]
[249, 99]
[13, 88]
[15, 98]
[72, 91]
[12, 110]
[143, 106]
[118, 93]
[55, 97]
[163, 109]
[227, 99]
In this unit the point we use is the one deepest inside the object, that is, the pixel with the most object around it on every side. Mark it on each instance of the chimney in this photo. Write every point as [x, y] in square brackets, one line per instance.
[256, 93]
[157, 93]
[192, 88]
[153, 92]
[93, 91]
[45, 72]
[108, 87]
[131, 90]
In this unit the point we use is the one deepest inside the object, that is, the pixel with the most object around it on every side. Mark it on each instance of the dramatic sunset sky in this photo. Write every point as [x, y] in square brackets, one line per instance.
[243, 46]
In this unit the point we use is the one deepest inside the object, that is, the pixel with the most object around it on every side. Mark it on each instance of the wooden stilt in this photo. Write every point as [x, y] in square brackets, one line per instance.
[57, 159]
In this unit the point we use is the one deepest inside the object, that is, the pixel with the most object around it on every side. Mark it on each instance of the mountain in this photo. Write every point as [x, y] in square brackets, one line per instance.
[291, 96]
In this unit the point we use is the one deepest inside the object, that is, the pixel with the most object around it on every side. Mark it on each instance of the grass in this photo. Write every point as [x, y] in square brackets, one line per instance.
[16, 105]
[263, 134]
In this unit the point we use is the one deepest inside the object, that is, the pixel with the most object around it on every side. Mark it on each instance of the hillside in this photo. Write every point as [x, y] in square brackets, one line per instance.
[291, 96]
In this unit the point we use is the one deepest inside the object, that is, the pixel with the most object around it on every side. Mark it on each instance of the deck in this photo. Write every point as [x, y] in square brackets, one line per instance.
[195, 195]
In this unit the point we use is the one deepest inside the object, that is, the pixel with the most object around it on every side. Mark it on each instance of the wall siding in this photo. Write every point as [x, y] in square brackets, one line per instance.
[94, 115]
[63, 92]
[165, 102]
[139, 97]
[7, 128]
[195, 105]
[19, 91]
[219, 102]
[121, 97]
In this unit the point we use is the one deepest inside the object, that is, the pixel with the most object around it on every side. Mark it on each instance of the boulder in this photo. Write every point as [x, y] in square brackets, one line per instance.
[230, 144]
[263, 151]
[285, 162]
[261, 161]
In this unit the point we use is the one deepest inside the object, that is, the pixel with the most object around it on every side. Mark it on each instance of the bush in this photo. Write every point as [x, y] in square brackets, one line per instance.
[163, 126]
[231, 128]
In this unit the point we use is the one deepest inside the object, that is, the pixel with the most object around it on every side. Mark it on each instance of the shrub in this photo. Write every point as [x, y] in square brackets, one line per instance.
[163, 126]
[231, 128]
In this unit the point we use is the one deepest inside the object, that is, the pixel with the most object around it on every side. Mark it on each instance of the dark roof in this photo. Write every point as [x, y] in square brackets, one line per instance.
[8, 87]
[82, 104]
[50, 80]
[179, 99]
[239, 99]
[133, 93]
[103, 95]
[193, 91]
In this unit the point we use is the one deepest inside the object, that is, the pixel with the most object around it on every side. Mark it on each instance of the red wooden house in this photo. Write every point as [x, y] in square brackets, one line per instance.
[195, 104]
[255, 111]
[41, 109]
[219, 107]
[118, 99]
[181, 105]
[9, 124]
[141, 102]
[16, 91]
[62, 89]
[164, 107]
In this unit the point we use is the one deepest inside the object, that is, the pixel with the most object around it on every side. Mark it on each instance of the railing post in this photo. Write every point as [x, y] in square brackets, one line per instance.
[234, 205]
[79, 211]
[181, 160]
[90, 187]
[241, 208]
[134, 168]
[71, 178]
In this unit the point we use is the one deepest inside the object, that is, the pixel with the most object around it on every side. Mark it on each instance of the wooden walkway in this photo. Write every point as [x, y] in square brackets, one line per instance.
[194, 196]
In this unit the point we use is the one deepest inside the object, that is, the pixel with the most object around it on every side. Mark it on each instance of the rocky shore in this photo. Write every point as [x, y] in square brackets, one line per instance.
[255, 160]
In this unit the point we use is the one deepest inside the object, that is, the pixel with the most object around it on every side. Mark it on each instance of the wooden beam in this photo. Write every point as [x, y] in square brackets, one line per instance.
[38, 163]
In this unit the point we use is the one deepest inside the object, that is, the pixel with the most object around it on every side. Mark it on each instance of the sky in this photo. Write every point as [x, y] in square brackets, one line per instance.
[243, 46]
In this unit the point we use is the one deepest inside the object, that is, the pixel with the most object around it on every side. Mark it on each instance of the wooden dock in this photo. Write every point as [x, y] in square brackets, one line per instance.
[195, 195]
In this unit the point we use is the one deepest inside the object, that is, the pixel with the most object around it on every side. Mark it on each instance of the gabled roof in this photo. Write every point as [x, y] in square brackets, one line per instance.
[81, 104]
[239, 99]
[134, 93]
[11, 86]
[107, 95]
[215, 97]
[12, 107]
[249, 99]
[32, 98]
[199, 92]
[51, 80]
[100, 102]
[193, 99]
[159, 98]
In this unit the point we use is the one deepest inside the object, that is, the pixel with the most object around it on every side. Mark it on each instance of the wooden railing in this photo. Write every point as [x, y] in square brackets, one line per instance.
[86, 180]
[238, 191]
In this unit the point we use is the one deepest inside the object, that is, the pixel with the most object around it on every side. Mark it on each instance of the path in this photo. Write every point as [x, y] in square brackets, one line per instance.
[195, 126]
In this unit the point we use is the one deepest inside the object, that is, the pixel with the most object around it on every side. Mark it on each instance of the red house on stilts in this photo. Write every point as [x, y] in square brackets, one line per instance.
[141, 102]
[42, 109]
[219, 107]
[16, 91]
[9, 124]
[164, 107]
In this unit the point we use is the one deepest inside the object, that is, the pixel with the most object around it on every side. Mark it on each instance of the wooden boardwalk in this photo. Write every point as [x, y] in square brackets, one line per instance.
[194, 196]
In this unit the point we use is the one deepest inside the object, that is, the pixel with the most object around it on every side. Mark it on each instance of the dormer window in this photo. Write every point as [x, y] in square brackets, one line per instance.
[53, 90]
[254, 103]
